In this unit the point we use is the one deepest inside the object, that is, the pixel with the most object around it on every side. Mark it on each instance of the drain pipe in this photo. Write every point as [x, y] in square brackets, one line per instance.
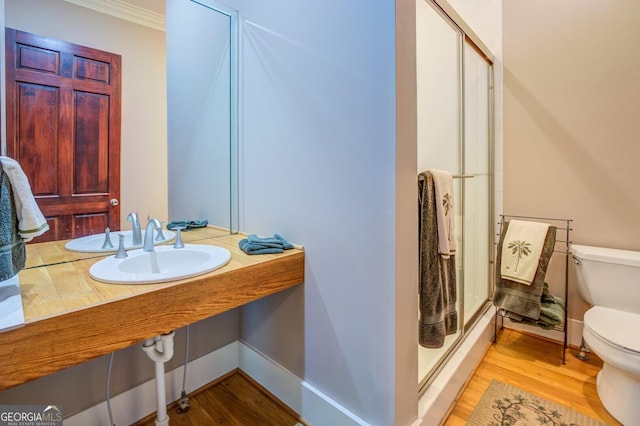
[160, 350]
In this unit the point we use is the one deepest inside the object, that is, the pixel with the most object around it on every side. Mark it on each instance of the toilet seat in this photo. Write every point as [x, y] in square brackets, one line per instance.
[612, 326]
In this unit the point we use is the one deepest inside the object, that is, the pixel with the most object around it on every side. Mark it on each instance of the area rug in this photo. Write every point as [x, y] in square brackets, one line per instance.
[503, 404]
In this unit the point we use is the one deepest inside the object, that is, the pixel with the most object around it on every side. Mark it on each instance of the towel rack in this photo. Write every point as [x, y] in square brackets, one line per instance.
[454, 176]
[563, 227]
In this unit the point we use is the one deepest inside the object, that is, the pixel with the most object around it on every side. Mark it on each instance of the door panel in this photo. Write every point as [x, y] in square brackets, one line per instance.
[90, 223]
[63, 127]
[91, 161]
[38, 110]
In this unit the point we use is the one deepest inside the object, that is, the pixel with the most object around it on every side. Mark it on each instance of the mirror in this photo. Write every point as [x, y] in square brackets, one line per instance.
[165, 160]
[202, 110]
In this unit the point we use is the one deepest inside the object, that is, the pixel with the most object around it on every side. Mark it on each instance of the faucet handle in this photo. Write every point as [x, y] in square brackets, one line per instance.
[122, 253]
[107, 240]
[179, 244]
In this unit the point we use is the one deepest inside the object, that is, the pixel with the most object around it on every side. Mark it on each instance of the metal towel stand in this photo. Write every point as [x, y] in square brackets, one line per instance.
[562, 246]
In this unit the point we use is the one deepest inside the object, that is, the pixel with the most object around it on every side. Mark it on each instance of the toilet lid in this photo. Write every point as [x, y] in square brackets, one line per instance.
[618, 327]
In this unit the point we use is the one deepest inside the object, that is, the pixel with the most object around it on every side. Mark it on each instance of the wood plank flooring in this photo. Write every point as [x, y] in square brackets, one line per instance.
[234, 399]
[526, 361]
[535, 365]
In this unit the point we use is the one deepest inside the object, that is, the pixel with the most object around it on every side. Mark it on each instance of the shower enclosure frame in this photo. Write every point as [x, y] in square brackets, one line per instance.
[469, 38]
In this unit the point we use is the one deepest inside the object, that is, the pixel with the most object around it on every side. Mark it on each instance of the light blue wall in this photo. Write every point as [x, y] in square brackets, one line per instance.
[318, 165]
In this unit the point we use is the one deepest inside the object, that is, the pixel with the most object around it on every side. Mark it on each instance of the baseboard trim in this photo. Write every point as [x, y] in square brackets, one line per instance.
[312, 405]
[442, 392]
[283, 384]
[140, 401]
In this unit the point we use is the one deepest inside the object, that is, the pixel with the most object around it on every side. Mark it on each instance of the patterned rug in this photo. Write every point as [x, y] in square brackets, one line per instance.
[503, 404]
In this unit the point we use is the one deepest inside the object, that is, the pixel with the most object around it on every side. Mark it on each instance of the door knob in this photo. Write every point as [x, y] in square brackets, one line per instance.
[114, 202]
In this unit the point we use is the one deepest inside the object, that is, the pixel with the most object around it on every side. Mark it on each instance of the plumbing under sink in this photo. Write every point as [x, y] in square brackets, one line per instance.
[163, 264]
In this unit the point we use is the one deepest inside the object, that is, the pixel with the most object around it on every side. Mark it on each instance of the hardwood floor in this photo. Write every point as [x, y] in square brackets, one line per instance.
[526, 361]
[535, 365]
[234, 399]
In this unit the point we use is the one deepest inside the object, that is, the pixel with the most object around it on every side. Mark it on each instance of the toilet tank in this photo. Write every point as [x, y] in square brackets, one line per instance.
[608, 277]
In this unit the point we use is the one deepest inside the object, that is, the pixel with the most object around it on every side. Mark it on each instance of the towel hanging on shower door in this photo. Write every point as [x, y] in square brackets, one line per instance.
[437, 290]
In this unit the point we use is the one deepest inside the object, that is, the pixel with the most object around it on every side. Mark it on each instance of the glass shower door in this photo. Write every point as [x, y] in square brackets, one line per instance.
[440, 131]
[454, 133]
[477, 188]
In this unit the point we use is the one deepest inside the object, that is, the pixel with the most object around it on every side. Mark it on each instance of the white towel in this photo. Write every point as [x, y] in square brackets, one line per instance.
[521, 250]
[31, 221]
[12, 314]
[443, 184]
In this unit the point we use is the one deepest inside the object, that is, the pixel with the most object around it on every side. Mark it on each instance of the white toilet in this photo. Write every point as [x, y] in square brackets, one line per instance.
[609, 279]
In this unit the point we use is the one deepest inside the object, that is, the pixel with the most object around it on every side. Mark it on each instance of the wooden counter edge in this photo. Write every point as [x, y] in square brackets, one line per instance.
[44, 347]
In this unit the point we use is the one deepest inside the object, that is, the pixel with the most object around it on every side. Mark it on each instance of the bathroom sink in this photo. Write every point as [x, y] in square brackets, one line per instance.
[164, 264]
[93, 243]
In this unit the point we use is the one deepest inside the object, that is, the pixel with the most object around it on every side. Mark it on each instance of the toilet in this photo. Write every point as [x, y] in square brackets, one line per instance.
[609, 279]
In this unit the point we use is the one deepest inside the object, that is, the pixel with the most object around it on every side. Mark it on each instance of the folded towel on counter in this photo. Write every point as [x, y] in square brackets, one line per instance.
[522, 299]
[31, 221]
[187, 224]
[443, 185]
[12, 251]
[264, 245]
[521, 250]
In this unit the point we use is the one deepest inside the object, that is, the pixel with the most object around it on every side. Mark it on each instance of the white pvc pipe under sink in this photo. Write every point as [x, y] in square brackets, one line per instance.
[160, 350]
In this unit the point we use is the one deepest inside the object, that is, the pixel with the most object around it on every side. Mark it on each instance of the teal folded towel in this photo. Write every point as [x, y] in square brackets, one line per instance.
[264, 245]
[187, 224]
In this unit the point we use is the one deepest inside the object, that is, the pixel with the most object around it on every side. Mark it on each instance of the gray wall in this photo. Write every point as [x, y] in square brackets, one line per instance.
[318, 166]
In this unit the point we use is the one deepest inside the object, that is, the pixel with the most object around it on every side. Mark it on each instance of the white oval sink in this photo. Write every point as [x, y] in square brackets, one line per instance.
[163, 264]
[93, 243]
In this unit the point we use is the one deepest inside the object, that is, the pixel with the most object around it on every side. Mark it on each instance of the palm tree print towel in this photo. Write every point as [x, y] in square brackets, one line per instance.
[443, 184]
[521, 250]
[522, 299]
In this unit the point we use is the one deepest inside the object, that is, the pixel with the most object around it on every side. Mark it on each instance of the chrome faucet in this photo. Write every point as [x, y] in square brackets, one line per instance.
[137, 233]
[148, 234]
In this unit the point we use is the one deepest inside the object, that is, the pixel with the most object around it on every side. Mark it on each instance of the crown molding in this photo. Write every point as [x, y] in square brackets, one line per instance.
[123, 10]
